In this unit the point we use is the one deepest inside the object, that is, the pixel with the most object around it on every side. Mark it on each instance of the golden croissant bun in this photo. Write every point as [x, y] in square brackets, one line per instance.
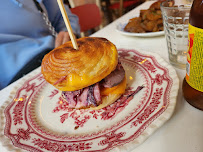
[69, 69]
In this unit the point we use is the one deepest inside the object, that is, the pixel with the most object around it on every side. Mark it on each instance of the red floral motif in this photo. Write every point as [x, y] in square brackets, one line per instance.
[53, 93]
[62, 106]
[82, 116]
[123, 54]
[145, 62]
[112, 110]
[112, 138]
[95, 113]
[40, 78]
[81, 122]
[138, 59]
[29, 87]
[150, 108]
[18, 110]
[64, 117]
[58, 147]
[149, 66]
[23, 134]
[78, 116]
[159, 79]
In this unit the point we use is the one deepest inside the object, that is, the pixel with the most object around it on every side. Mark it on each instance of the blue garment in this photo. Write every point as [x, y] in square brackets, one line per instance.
[24, 33]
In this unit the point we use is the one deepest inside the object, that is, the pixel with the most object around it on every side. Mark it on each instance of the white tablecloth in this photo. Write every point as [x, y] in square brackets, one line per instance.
[184, 130]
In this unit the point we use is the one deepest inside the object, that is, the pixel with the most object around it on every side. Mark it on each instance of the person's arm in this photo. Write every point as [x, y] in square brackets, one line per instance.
[57, 21]
[62, 37]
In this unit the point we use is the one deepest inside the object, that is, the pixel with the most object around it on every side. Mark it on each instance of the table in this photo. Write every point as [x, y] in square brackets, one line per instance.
[183, 131]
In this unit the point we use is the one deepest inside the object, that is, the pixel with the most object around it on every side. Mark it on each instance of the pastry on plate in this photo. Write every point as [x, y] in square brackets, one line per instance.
[90, 77]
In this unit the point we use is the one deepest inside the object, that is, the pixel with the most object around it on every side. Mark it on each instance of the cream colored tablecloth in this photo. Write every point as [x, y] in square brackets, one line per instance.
[184, 131]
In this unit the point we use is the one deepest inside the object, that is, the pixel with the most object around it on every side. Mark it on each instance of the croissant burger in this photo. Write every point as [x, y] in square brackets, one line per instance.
[90, 77]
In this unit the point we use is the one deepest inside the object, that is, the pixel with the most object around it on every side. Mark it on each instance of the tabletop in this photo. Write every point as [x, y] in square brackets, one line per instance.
[183, 131]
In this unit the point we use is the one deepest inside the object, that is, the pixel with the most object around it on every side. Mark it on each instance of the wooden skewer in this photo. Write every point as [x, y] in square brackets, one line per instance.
[67, 23]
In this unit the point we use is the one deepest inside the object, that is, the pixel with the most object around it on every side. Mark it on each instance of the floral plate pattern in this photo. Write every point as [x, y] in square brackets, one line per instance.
[37, 119]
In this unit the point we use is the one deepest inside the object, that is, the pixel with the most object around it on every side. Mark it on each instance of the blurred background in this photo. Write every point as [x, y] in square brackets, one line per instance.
[109, 10]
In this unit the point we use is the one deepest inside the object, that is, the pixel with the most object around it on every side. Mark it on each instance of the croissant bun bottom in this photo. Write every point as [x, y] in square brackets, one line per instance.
[68, 69]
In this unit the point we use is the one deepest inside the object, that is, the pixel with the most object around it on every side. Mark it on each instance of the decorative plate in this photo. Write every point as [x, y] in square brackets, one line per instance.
[37, 119]
[120, 29]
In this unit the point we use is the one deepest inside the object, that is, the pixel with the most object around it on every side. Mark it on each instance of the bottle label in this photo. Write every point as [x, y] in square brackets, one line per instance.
[194, 65]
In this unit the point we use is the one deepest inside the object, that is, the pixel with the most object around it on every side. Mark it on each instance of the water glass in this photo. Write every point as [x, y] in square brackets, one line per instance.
[175, 20]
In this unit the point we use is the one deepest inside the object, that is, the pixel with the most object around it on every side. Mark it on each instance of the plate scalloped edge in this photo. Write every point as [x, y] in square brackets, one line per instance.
[6, 142]
[158, 122]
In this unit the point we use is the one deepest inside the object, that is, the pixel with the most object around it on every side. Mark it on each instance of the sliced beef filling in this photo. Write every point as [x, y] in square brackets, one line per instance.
[87, 97]
[71, 97]
[115, 77]
[90, 96]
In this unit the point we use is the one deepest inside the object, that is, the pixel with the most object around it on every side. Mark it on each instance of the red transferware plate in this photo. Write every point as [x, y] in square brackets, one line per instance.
[37, 119]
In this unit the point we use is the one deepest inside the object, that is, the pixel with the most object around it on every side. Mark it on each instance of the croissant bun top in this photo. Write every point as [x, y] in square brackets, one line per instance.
[68, 69]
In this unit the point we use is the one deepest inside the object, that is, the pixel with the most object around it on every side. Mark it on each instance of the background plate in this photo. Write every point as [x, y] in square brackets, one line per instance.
[120, 29]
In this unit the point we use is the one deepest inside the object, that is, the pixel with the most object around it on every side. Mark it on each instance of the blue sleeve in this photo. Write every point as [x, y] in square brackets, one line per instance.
[56, 18]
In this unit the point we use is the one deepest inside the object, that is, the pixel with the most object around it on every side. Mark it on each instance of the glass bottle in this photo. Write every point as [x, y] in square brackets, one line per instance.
[193, 82]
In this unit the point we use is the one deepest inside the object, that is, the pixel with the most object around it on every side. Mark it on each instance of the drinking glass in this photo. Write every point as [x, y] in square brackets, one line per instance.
[175, 20]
